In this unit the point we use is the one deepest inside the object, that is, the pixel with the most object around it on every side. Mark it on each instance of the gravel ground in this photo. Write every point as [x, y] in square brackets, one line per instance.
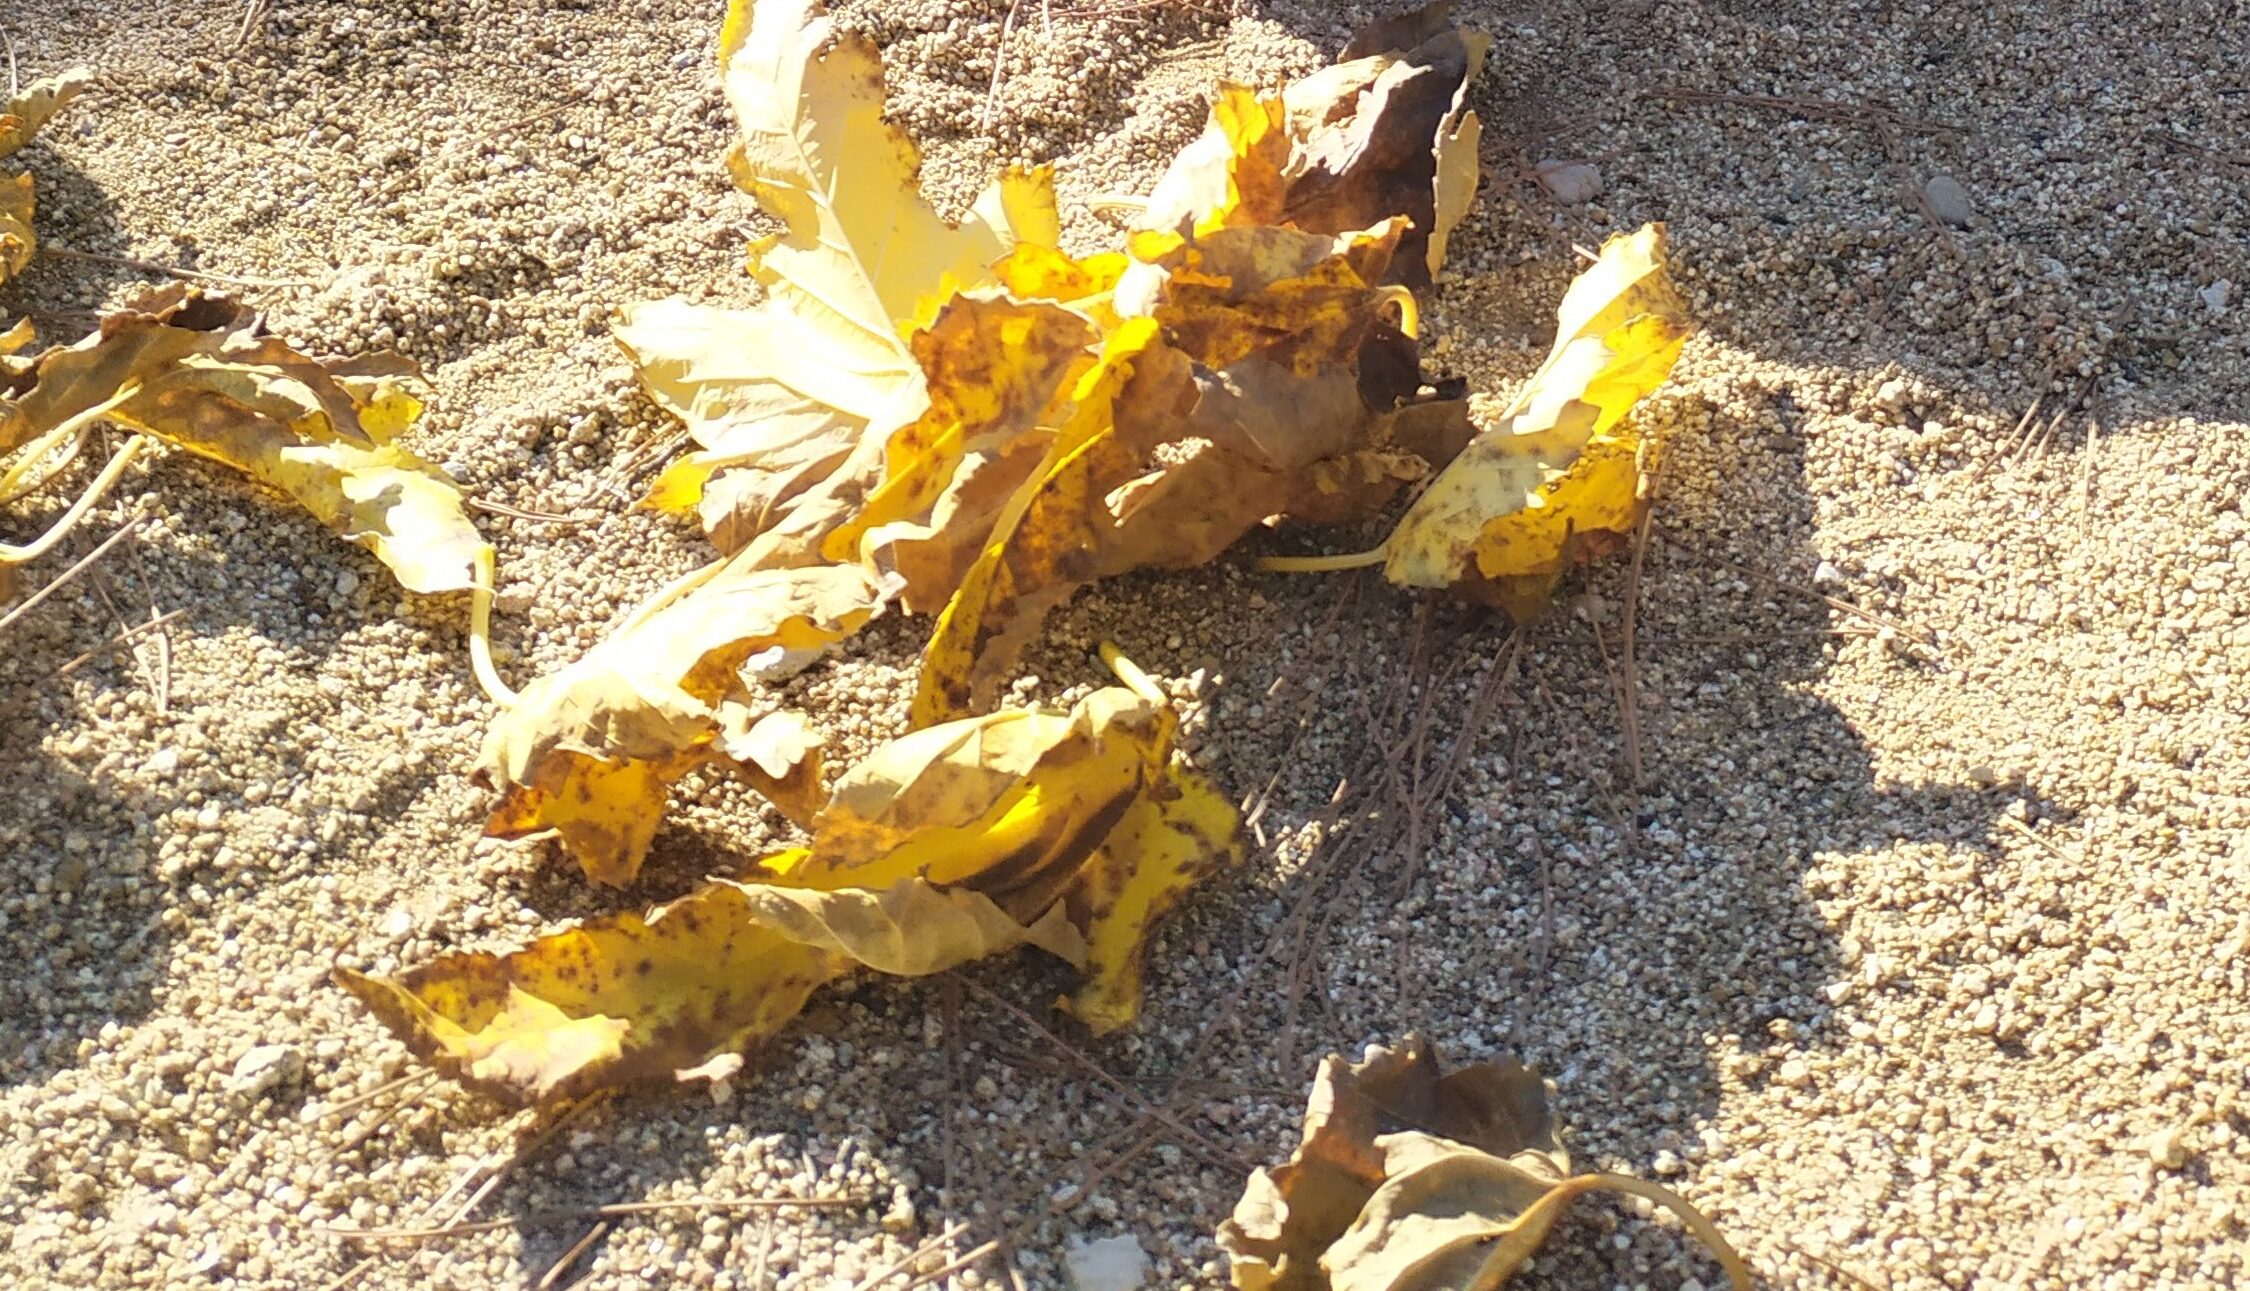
[1914, 951]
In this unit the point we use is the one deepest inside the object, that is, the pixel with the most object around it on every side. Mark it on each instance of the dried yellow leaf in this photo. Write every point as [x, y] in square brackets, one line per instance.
[1561, 476]
[778, 397]
[36, 104]
[194, 371]
[997, 369]
[1048, 541]
[625, 999]
[17, 241]
[1178, 832]
[590, 751]
[950, 844]
[1561, 465]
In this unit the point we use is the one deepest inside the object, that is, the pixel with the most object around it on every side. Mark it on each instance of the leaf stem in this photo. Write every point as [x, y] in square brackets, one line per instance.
[41, 545]
[1129, 673]
[480, 635]
[1322, 564]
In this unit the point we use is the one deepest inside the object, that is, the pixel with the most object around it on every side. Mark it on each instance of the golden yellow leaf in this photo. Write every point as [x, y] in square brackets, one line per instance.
[193, 370]
[1412, 1178]
[36, 104]
[775, 405]
[590, 751]
[1011, 804]
[1231, 175]
[1561, 475]
[625, 999]
[1048, 541]
[16, 239]
[779, 396]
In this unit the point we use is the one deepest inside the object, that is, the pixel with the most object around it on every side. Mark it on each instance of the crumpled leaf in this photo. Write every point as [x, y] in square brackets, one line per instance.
[1178, 832]
[19, 120]
[625, 999]
[995, 368]
[195, 370]
[1561, 477]
[778, 396]
[589, 752]
[38, 102]
[1412, 1178]
[1260, 373]
[1386, 132]
[952, 843]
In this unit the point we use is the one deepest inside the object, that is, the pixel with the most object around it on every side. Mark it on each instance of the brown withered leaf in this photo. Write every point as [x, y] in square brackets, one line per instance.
[1412, 1178]
[590, 752]
[1388, 131]
[1384, 133]
[1259, 372]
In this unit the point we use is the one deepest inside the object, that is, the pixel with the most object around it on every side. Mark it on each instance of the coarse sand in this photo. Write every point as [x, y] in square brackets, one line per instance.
[1902, 927]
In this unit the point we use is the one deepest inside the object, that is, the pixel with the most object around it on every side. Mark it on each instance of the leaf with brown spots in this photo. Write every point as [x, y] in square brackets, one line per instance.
[997, 369]
[952, 843]
[626, 999]
[1413, 1178]
[589, 752]
[1258, 372]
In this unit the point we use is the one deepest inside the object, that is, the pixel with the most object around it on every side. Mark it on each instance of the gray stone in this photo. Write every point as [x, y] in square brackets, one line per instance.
[1573, 183]
[1949, 201]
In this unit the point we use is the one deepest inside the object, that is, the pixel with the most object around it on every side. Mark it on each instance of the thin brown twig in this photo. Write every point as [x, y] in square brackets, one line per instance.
[519, 513]
[1919, 638]
[906, 1261]
[556, 1271]
[1628, 663]
[192, 275]
[1882, 121]
[462, 1228]
[158, 690]
[360, 1100]
[1191, 1138]
[80, 566]
[999, 65]
[162, 624]
[121, 638]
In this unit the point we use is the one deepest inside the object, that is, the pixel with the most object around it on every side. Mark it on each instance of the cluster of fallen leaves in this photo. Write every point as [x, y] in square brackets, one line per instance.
[965, 420]
[1413, 1178]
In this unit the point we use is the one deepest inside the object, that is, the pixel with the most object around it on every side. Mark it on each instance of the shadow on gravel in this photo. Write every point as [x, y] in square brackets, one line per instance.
[60, 293]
